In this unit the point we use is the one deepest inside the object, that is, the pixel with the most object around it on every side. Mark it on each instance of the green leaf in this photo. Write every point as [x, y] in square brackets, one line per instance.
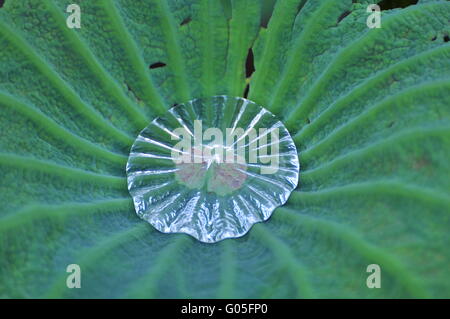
[368, 110]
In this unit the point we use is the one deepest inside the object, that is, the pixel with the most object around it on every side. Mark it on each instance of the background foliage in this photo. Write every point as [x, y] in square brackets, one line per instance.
[369, 111]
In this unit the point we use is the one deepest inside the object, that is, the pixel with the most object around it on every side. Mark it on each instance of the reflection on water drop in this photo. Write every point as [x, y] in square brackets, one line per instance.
[212, 168]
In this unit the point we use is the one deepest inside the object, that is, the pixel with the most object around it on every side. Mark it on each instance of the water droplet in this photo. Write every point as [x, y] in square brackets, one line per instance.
[212, 168]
